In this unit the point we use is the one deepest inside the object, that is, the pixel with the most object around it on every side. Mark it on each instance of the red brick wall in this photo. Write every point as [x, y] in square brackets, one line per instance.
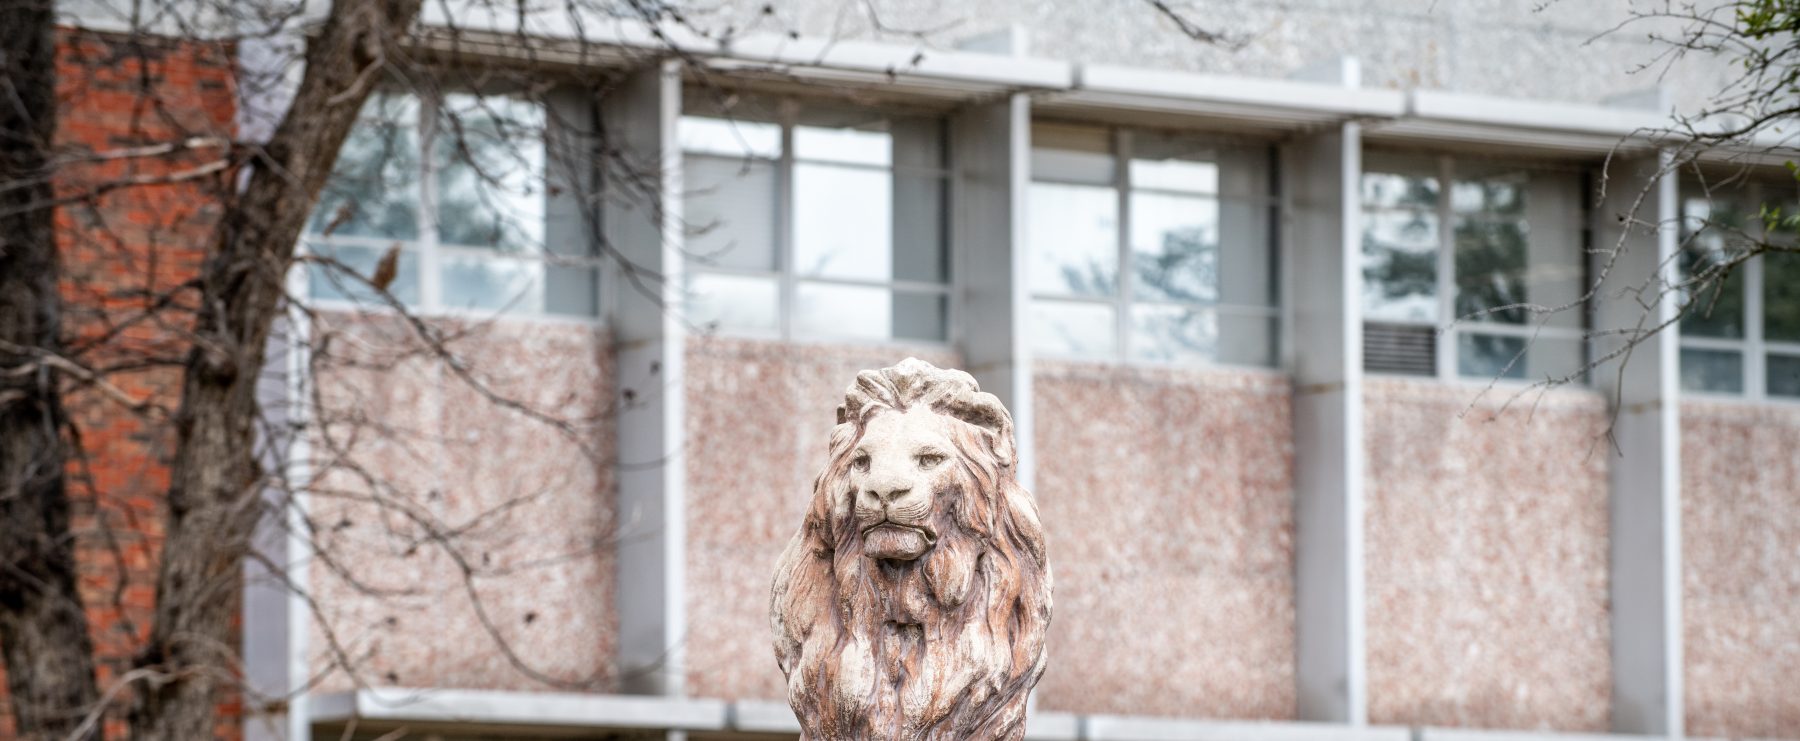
[121, 249]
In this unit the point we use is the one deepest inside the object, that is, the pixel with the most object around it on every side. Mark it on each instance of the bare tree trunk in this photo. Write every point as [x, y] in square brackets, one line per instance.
[214, 498]
[43, 628]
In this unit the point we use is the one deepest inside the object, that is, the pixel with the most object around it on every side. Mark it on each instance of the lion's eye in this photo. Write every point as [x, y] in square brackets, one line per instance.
[860, 463]
[930, 460]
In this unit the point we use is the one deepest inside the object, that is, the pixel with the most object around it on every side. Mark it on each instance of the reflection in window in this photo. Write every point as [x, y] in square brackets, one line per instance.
[1728, 347]
[1504, 239]
[1074, 236]
[843, 236]
[1170, 262]
[487, 231]
[1713, 371]
[1783, 375]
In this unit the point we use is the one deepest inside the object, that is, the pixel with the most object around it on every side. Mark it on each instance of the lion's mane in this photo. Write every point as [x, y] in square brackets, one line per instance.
[945, 647]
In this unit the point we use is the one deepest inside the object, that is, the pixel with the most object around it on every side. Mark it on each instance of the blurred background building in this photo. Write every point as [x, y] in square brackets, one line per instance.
[1210, 280]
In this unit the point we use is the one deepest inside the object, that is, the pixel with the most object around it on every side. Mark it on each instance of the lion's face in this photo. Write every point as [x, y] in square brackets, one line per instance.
[899, 470]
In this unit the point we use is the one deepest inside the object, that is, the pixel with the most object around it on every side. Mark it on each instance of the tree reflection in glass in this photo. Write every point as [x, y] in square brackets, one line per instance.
[490, 155]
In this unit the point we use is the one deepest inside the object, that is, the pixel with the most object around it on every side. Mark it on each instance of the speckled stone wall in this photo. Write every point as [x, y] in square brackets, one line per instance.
[530, 510]
[1167, 497]
[1513, 48]
[759, 415]
[1487, 558]
[1740, 523]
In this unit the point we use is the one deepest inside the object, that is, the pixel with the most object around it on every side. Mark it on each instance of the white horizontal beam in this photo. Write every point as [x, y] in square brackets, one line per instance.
[1119, 728]
[1488, 110]
[547, 710]
[1188, 87]
[1464, 734]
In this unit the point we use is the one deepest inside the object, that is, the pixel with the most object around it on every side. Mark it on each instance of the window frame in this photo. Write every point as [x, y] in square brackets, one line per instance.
[429, 249]
[788, 281]
[1754, 348]
[1449, 327]
[1124, 298]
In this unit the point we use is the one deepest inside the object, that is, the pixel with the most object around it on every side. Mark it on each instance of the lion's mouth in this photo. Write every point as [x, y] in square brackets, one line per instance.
[892, 541]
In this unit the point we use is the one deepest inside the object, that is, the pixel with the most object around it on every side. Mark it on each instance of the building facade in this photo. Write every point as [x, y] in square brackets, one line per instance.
[1255, 312]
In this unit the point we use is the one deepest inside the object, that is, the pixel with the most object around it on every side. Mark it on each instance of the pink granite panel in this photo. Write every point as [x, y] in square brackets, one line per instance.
[1167, 499]
[1740, 521]
[1486, 558]
[759, 413]
[488, 563]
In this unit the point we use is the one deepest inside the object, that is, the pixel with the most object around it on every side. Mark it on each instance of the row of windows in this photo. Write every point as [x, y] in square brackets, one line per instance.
[819, 221]
[1741, 335]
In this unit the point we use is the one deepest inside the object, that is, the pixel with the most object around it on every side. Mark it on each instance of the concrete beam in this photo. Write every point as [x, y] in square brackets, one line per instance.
[990, 146]
[1322, 265]
[1637, 219]
[643, 224]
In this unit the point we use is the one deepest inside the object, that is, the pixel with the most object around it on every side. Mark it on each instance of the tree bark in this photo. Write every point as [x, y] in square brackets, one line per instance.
[43, 627]
[215, 496]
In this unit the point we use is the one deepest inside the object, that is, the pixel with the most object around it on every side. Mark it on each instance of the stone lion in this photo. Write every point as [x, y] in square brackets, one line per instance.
[913, 601]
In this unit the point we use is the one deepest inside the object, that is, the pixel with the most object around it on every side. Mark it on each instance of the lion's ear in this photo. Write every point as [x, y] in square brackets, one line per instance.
[985, 411]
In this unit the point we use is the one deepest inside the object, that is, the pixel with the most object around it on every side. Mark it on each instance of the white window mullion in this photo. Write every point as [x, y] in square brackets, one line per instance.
[430, 264]
[1446, 272]
[1755, 351]
[784, 223]
[1122, 181]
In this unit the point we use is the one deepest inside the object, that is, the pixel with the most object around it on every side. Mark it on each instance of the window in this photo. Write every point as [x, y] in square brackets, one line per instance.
[1151, 247]
[1741, 333]
[1445, 240]
[816, 222]
[472, 220]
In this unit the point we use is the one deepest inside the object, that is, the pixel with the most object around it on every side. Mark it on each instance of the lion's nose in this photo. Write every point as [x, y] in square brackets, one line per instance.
[886, 489]
[888, 496]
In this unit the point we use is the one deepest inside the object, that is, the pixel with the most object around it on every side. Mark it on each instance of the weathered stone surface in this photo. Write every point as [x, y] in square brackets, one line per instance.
[914, 600]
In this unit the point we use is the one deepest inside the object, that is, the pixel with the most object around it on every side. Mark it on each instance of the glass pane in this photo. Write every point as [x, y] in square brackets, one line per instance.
[1174, 333]
[1400, 266]
[1490, 269]
[330, 282]
[1175, 247]
[1784, 375]
[732, 302]
[729, 137]
[491, 179]
[1070, 329]
[1713, 371]
[1165, 162]
[855, 146]
[1502, 195]
[480, 282]
[1387, 190]
[1715, 300]
[1490, 356]
[1094, 168]
[843, 311]
[919, 229]
[843, 226]
[921, 316]
[373, 190]
[1074, 239]
[1781, 296]
[1175, 174]
[730, 212]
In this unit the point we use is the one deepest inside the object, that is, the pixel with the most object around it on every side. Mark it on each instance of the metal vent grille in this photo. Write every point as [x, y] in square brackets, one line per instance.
[1404, 349]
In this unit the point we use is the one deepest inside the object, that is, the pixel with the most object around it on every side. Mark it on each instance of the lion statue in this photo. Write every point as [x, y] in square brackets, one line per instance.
[913, 601]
